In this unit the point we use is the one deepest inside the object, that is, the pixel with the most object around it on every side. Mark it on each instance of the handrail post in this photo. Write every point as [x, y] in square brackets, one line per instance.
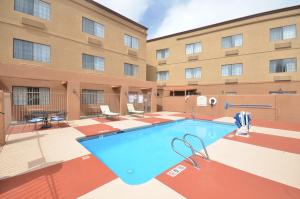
[202, 143]
[195, 164]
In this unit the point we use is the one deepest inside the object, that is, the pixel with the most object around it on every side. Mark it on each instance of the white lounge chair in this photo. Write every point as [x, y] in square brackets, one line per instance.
[105, 111]
[131, 110]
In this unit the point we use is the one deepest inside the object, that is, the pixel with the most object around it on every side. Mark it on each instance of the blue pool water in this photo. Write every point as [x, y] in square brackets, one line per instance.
[138, 155]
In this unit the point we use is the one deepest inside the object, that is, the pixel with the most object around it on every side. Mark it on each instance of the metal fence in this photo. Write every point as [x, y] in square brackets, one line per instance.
[26, 102]
[90, 103]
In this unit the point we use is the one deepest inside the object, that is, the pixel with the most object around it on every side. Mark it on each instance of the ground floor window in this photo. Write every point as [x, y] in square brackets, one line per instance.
[92, 96]
[30, 96]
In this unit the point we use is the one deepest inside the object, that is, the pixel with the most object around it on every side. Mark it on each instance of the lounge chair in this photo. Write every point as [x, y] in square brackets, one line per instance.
[105, 111]
[131, 110]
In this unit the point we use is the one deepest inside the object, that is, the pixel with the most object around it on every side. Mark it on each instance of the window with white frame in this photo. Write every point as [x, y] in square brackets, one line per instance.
[92, 96]
[91, 62]
[282, 33]
[232, 41]
[130, 69]
[162, 54]
[30, 95]
[193, 48]
[283, 65]
[131, 42]
[31, 51]
[232, 70]
[193, 73]
[162, 75]
[92, 27]
[36, 8]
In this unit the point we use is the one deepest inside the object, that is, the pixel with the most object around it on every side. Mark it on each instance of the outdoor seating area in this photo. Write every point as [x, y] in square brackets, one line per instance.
[100, 181]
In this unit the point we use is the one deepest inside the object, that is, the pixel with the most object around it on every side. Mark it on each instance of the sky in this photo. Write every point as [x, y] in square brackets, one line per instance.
[164, 17]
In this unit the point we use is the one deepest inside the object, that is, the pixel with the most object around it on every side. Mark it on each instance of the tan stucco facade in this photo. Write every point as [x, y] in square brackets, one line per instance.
[63, 33]
[255, 54]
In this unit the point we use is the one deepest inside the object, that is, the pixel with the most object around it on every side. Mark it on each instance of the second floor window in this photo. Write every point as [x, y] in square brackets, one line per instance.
[30, 96]
[92, 27]
[31, 51]
[91, 62]
[193, 73]
[130, 69]
[131, 42]
[193, 48]
[162, 75]
[162, 54]
[36, 8]
[232, 70]
[282, 33]
[283, 65]
[232, 41]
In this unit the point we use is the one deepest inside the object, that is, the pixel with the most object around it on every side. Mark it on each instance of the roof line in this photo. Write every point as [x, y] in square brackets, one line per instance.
[115, 13]
[227, 22]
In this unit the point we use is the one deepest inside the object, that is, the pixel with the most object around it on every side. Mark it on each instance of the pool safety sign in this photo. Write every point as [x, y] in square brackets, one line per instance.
[175, 171]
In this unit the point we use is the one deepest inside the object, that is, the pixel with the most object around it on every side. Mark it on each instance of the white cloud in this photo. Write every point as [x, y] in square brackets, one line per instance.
[197, 13]
[133, 9]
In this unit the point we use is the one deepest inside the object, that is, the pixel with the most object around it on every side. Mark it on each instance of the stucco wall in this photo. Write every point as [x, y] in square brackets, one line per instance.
[284, 107]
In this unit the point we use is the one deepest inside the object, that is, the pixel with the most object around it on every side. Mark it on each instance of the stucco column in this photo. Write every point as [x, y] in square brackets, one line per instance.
[154, 99]
[2, 124]
[123, 99]
[73, 100]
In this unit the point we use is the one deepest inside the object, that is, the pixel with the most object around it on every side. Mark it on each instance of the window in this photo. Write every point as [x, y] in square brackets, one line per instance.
[162, 54]
[130, 69]
[232, 70]
[192, 73]
[31, 96]
[92, 27]
[91, 62]
[232, 41]
[31, 51]
[36, 8]
[283, 65]
[92, 96]
[131, 42]
[162, 75]
[193, 48]
[282, 33]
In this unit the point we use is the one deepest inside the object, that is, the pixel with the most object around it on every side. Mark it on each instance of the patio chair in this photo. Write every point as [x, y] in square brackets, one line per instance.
[59, 117]
[131, 110]
[106, 112]
[35, 121]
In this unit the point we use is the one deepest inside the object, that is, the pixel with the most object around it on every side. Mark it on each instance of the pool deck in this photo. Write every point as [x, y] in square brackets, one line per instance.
[52, 164]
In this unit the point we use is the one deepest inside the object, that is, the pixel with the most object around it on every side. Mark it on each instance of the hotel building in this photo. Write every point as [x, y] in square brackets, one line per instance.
[71, 55]
[257, 54]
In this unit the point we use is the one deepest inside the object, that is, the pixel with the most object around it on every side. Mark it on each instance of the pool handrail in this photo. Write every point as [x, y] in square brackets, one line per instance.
[206, 156]
[195, 164]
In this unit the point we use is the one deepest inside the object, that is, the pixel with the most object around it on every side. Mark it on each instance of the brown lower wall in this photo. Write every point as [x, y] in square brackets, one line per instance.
[285, 108]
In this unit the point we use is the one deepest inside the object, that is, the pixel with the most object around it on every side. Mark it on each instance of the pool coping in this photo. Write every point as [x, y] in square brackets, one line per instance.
[110, 133]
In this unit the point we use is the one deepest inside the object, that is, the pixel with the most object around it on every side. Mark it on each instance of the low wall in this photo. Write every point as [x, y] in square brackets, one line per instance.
[284, 108]
[5, 115]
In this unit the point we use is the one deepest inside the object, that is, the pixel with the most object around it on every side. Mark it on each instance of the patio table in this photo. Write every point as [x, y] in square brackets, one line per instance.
[45, 115]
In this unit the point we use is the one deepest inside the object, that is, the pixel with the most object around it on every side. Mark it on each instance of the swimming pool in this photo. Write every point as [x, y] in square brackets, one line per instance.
[138, 155]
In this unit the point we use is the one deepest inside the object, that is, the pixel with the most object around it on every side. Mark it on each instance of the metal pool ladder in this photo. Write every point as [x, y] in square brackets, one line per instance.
[194, 151]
